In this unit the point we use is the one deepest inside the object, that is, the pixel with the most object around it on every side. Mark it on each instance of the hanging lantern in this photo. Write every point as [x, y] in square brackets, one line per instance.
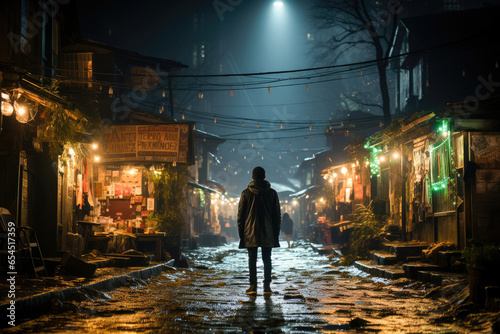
[215, 119]
[360, 71]
[269, 90]
[110, 91]
[182, 116]
[281, 125]
[307, 87]
[200, 95]
[231, 92]
[310, 127]
[7, 107]
[163, 93]
[257, 125]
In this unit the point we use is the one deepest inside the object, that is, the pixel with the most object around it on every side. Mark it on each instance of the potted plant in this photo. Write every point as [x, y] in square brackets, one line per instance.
[367, 233]
[482, 261]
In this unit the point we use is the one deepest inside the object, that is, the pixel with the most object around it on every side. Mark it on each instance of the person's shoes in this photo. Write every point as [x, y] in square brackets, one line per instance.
[252, 290]
[267, 288]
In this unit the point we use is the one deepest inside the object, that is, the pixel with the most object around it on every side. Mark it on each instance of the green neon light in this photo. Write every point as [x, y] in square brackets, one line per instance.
[444, 129]
[436, 147]
[443, 184]
[374, 161]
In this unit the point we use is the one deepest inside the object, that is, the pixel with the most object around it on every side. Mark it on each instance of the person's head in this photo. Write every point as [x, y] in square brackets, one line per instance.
[258, 173]
[286, 215]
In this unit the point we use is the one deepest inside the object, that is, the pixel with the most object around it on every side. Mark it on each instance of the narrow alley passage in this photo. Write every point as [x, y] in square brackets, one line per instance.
[310, 294]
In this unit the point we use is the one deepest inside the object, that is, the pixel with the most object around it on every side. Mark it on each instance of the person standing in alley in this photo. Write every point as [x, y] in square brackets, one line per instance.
[287, 224]
[259, 224]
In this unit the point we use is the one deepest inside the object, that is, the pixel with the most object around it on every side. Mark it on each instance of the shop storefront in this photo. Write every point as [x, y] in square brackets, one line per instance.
[137, 175]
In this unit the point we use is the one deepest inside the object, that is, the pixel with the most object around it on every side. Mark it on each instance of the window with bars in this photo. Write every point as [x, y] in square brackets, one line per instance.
[77, 67]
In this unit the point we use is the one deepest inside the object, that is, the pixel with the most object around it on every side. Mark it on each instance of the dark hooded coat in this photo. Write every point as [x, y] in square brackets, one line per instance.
[259, 216]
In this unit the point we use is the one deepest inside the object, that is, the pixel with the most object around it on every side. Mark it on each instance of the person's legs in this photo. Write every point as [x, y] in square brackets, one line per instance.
[266, 258]
[252, 264]
[252, 268]
[288, 239]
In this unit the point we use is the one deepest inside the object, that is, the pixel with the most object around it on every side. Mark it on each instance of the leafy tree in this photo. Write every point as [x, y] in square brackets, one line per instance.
[354, 25]
[169, 185]
[62, 122]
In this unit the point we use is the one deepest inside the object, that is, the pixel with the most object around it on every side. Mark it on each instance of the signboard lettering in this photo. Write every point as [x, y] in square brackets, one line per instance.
[162, 143]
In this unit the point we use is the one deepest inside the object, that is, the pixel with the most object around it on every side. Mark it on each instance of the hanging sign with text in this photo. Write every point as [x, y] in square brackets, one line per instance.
[156, 143]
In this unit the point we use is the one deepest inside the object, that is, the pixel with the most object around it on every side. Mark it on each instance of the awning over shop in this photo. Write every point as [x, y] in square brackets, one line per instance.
[280, 187]
[200, 186]
[311, 191]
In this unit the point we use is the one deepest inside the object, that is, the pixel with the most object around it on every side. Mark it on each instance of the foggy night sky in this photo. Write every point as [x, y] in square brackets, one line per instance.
[253, 37]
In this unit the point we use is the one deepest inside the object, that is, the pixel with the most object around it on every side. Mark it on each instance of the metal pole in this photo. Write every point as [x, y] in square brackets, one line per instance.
[170, 95]
[403, 194]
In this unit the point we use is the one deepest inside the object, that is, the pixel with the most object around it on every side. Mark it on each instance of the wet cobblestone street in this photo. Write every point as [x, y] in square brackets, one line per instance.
[310, 294]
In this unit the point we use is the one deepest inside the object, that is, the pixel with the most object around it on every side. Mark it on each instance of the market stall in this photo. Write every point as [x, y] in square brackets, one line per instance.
[127, 209]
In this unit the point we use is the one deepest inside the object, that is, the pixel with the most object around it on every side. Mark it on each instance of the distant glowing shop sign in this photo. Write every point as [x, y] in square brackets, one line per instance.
[161, 143]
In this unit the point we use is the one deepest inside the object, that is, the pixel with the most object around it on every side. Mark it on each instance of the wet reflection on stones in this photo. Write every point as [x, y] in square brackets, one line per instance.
[310, 295]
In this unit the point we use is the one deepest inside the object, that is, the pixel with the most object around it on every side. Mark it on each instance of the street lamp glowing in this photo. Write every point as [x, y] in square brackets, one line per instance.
[278, 4]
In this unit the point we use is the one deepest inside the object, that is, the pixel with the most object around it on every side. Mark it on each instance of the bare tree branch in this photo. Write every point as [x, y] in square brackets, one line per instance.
[352, 23]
